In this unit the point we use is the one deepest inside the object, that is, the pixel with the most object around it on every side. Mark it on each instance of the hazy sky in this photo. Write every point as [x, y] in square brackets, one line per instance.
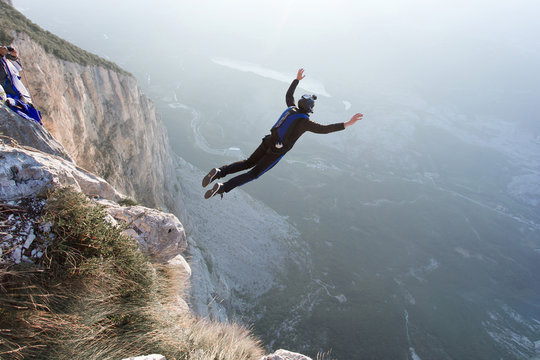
[485, 52]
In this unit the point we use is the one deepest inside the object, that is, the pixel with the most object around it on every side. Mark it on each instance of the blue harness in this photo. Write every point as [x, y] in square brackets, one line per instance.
[284, 122]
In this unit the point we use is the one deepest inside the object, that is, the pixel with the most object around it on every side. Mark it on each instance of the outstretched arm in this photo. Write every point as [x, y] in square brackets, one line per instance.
[317, 128]
[354, 119]
[289, 98]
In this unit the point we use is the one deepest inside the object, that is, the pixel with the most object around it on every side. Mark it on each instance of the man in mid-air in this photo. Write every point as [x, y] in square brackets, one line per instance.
[290, 126]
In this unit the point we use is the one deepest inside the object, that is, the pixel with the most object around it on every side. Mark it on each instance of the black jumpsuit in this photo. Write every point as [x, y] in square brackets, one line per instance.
[267, 155]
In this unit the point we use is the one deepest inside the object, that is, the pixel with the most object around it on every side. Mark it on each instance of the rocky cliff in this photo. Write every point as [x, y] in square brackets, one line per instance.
[103, 120]
[83, 273]
[110, 128]
[238, 250]
[26, 173]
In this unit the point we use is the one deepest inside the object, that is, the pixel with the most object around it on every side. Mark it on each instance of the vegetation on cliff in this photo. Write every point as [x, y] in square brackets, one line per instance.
[94, 295]
[13, 20]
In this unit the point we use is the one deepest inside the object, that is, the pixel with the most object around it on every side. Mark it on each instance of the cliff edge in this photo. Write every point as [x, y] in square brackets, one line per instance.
[82, 276]
[95, 110]
[103, 137]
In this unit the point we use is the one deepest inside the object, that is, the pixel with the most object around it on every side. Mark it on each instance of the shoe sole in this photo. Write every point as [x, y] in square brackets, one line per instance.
[213, 191]
[209, 177]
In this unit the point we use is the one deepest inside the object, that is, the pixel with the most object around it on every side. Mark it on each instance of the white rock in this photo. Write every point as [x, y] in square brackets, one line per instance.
[30, 239]
[16, 255]
[25, 172]
[160, 235]
[147, 357]
[133, 234]
[111, 220]
[285, 355]
[180, 263]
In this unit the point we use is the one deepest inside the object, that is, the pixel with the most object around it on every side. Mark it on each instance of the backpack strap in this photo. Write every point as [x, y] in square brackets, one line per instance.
[284, 122]
[283, 117]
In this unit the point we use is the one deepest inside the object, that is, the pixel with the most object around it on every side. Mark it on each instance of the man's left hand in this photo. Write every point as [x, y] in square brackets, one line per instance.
[354, 119]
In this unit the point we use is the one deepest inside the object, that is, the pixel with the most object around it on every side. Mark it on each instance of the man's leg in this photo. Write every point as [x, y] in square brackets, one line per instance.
[250, 162]
[218, 173]
[267, 162]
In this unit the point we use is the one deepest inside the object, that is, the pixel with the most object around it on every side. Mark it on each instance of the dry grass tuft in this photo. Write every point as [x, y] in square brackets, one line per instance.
[95, 296]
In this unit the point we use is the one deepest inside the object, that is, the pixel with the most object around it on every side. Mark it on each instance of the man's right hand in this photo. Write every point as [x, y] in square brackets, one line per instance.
[3, 51]
[300, 75]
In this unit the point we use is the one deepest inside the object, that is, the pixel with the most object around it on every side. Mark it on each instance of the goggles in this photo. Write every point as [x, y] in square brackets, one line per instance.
[309, 97]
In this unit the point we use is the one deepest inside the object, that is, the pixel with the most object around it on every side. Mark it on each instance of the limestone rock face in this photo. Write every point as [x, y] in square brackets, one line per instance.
[25, 172]
[29, 133]
[103, 120]
[160, 235]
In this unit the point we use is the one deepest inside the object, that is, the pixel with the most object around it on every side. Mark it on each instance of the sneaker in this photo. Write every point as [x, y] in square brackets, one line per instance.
[211, 176]
[217, 189]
